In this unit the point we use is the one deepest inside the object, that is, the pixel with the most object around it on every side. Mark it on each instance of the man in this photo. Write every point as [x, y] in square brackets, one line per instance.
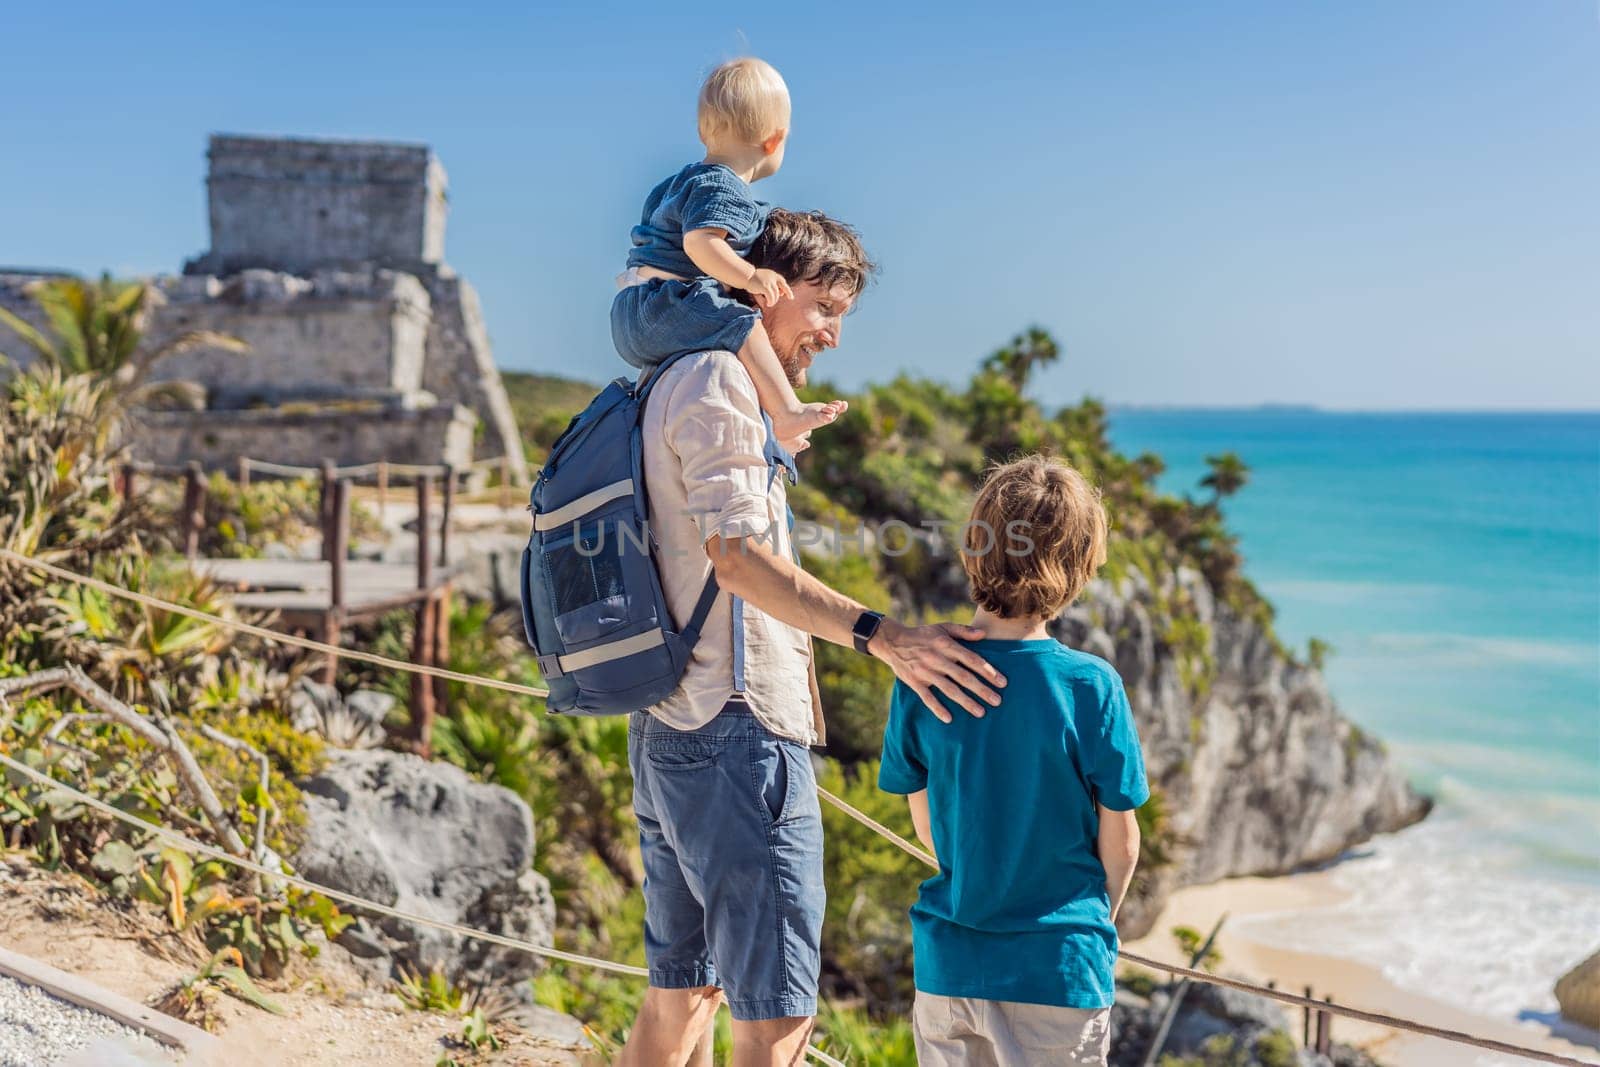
[729, 825]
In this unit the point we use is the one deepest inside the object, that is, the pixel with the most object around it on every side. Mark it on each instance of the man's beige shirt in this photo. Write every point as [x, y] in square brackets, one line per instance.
[707, 474]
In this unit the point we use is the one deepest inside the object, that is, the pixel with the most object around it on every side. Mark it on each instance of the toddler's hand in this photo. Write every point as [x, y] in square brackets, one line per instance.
[767, 286]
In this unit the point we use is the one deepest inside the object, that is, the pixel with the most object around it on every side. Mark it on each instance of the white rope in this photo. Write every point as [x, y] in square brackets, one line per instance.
[198, 848]
[859, 816]
[282, 468]
[270, 635]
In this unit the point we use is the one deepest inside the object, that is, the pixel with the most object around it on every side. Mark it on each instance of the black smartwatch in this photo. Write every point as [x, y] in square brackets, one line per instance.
[864, 629]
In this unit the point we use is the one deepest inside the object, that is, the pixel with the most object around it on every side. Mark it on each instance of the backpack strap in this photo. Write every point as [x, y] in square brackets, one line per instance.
[702, 608]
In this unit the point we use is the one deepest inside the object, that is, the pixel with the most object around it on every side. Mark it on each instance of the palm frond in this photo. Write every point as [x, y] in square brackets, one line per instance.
[30, 336]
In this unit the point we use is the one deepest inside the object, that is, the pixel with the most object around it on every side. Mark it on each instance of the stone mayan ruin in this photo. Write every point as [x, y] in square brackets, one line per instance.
[327, 258]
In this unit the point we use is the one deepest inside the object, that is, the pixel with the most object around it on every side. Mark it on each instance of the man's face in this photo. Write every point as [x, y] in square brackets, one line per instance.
[802, 327]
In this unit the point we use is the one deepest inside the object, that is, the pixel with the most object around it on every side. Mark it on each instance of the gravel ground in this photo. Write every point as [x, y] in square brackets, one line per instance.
[39, 1030]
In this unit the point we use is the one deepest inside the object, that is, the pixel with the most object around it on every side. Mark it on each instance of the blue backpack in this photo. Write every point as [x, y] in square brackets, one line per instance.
[592, 605]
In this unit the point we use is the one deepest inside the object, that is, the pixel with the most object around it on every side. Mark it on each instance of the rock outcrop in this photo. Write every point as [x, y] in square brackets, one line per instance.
[1215, 1026]
[426, 838]
[1578, 993]
[1258, 771]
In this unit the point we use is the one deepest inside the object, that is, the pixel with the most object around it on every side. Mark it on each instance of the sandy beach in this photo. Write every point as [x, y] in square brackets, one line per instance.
[1351, 982]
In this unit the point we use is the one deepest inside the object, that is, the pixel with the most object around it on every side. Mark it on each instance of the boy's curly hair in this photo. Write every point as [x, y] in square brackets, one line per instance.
[1036, 536]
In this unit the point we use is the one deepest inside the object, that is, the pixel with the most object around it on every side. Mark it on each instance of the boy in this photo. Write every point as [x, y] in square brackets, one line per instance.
[1029, 810]
[689, 248]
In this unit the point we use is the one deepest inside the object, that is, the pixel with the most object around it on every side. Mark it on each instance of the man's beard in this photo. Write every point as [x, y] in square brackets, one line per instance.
[789, 360]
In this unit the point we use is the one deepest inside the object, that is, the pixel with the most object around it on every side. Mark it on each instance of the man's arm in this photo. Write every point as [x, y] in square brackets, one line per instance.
[1119, 852]
[918, 802]
[926, 658]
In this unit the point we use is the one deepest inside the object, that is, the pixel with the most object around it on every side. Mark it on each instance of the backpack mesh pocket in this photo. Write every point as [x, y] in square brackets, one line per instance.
[587, 585]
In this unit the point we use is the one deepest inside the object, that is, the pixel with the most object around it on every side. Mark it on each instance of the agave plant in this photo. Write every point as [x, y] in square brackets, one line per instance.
[99, 332]
[139, 650]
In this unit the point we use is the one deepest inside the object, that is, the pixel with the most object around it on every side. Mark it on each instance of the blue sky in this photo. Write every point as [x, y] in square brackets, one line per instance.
[1357, 204]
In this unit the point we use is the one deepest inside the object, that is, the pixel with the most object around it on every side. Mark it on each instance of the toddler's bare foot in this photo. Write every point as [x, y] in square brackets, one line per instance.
[792, 425]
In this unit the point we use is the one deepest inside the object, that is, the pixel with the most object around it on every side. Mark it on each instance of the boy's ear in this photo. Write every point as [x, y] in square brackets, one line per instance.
[770, 145]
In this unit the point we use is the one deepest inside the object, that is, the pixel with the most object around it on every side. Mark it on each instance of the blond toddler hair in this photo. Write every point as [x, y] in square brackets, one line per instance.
[744, 101]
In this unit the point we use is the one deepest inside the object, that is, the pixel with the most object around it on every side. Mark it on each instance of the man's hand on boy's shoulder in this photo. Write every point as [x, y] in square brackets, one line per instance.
[932, 658]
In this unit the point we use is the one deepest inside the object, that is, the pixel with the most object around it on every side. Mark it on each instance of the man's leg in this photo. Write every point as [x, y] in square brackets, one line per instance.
[772, 1042]
[675, 1017]
[737, 809]
[672, 1029]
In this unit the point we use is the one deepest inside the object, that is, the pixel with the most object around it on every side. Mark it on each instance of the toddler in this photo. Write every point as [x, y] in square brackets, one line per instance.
[689, 245]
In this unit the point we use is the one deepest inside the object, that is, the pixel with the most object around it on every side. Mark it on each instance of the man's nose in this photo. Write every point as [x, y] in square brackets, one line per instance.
[829, 337]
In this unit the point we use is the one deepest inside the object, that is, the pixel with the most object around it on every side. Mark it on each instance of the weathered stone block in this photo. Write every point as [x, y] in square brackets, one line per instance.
[438, 434]
[332, 332]
[295, 204]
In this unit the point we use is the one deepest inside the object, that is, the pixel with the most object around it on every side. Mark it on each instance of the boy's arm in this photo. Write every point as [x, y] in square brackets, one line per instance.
[709, 250]
[1119, 852]
[918, 803]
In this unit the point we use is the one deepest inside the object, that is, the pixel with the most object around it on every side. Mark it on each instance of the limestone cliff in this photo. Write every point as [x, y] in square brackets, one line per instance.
[1257, 769]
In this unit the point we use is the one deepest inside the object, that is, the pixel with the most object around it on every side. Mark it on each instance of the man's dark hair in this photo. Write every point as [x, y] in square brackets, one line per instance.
[808, 246]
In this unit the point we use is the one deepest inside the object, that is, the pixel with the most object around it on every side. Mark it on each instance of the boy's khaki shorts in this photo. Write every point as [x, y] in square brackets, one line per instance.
[967, 1032]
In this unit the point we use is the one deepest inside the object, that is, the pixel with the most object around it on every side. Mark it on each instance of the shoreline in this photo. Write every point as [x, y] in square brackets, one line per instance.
[1346, 981]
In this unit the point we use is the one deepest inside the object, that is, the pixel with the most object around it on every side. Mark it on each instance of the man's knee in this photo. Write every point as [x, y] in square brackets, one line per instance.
[786, 1036]
[669, 1025]
[680, 1005]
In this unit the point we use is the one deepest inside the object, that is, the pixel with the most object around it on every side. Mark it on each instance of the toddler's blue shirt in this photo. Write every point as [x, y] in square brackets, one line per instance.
[698, 196]
[1018, 910]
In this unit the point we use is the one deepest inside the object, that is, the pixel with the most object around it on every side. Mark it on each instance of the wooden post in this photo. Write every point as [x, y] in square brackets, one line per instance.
[441, 649]
[449, 504]
[383, 490]
[505, 482]
[329, 475]
[422, 646]
[333, 620]
[194, 509]
[1324, 1029]
[130, 484]
[1305, 1022]
[244, 472]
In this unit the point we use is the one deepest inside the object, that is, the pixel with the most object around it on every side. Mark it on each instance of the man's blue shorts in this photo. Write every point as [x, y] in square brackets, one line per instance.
[731, 834]
[663, 317]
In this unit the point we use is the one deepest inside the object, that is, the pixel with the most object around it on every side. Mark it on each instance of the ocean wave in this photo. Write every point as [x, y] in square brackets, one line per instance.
[1447, 912]
[1469, 650]
[1347, 594]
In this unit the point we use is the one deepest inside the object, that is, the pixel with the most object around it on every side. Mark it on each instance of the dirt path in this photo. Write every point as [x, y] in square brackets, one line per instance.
[332, 1016]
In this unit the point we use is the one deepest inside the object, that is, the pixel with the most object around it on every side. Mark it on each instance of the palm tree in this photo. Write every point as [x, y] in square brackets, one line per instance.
[98, 330]
[1016, 361]
[1228, 475]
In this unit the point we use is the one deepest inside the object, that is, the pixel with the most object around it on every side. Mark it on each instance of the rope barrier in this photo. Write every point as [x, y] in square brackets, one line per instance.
[1394, 1022]
[270, 635]
[199, 848]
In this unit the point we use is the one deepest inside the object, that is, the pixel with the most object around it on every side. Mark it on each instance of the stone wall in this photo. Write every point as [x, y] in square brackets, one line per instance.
[349, 437]
[334, 332]
[296, 205]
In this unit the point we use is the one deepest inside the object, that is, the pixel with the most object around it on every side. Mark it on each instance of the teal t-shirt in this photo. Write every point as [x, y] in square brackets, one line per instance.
[1018, 910]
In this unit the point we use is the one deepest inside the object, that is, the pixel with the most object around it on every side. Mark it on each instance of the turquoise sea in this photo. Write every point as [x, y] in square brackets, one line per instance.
[1453, 562]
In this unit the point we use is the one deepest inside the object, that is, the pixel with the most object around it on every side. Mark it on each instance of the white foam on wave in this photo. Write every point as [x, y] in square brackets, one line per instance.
[1475, 651]
[1333, 593]
[1451, 912]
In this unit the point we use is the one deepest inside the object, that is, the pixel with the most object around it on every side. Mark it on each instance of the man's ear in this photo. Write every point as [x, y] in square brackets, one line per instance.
[771, 144]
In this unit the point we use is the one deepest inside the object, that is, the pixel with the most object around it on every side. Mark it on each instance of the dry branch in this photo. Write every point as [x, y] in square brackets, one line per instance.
[155, 729]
